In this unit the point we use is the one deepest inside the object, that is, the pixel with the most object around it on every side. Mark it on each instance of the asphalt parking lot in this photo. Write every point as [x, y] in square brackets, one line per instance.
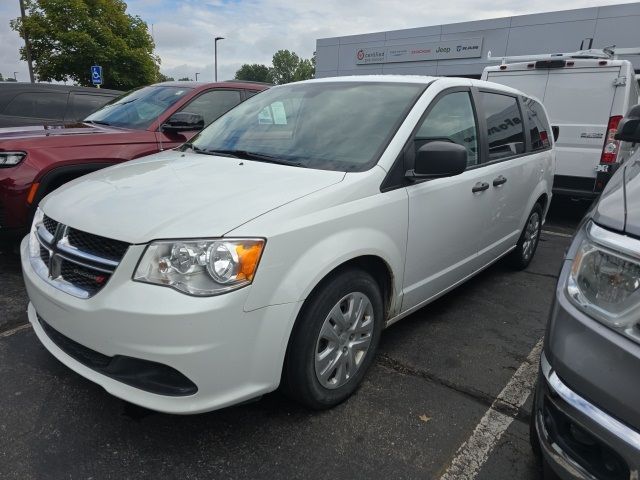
[436, 376]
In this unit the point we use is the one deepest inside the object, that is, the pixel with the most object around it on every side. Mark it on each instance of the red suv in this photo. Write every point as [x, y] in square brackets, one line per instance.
[36, 160]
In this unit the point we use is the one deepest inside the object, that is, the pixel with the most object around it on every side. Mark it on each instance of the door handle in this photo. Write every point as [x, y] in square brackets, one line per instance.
[480, 187]
[499, 181]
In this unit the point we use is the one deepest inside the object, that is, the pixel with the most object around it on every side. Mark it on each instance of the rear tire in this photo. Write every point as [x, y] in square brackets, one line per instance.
[527, 244]
[334, 340]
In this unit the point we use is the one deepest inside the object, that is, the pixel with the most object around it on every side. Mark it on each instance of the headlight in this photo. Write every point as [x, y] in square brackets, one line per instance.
[10, 159]
[201, 267]
[34, 244]
[604, 282]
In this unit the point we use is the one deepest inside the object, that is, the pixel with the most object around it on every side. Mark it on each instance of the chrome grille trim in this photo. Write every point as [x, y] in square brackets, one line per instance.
[69, 258]
[62, 256]
[44, 235]
[65, 247]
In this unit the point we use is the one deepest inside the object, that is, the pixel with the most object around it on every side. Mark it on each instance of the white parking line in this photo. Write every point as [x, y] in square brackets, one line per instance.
[473, 453]
[557, 234]
[8, 333]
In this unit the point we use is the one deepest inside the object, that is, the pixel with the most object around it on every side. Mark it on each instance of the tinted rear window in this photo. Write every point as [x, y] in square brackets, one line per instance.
[505, 130]
[50, 105]
[538, 125]
[82, 104]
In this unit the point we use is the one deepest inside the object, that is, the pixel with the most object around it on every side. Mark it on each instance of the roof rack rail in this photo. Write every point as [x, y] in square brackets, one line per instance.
[247, 81]
[607, 53]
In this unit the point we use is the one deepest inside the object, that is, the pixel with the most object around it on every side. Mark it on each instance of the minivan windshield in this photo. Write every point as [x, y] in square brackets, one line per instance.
[138, 109]
[341, 126]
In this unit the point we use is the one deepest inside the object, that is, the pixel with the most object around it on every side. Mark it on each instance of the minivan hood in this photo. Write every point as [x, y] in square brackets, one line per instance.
[179, 195]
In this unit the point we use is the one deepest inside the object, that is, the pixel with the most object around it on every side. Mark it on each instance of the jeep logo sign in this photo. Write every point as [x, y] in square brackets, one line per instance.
[443, 50]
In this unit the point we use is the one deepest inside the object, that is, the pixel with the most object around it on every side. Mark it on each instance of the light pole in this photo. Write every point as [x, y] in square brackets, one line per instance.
[215, 50]
[15, 76]
[197, 73]
[27, 45]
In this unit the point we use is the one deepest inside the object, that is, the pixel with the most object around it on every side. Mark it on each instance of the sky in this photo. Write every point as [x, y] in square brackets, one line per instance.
[254, 30]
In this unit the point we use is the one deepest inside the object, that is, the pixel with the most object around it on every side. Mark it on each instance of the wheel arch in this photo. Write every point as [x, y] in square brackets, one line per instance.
[373, 264]
[540, 195]
[58, 176]
[543, 200]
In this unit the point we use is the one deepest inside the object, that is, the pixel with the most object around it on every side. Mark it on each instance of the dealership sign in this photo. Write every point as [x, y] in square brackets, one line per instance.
[443, 50]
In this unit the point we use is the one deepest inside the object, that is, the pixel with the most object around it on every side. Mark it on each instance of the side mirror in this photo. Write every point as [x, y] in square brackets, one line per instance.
[439, 159]
[556, 132]
[629, 127]
[183, 122]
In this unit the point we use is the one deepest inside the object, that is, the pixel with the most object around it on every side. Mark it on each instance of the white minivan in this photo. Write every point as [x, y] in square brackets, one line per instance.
[586, 95]
[274, 247]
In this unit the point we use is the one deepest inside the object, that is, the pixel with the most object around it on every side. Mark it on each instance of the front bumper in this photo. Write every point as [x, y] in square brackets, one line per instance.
[578, 439]
[229, 354]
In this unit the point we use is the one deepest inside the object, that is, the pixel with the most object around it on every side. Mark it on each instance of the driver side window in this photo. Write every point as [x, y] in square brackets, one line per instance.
[212, 104]
[451, 120]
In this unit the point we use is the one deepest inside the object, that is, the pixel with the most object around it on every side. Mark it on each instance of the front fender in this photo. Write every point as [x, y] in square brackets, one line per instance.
[295, 261]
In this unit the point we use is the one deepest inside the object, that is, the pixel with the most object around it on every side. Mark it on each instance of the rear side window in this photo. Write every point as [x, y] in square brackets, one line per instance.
[505, 130]
[38, 105]
[210, 105]
[539, 129]
[82, 104]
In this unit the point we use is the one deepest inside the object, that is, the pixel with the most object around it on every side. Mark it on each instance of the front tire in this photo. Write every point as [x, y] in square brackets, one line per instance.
[521, 257]
[334, 340]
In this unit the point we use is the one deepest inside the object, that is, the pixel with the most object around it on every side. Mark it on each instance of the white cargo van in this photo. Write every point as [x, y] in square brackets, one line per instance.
[586, 94]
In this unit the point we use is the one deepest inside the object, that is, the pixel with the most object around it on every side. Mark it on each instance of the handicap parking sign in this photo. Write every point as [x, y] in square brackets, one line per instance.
[96, 75]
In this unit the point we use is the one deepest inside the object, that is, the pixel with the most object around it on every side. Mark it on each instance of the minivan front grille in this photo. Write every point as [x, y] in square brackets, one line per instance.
[75, 261]
[50, 225]
[97, 245]
[83, 277]
[44, 254]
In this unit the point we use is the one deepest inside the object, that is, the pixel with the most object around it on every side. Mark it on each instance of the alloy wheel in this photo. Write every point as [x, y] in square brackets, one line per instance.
[344, 340]
[532, 230]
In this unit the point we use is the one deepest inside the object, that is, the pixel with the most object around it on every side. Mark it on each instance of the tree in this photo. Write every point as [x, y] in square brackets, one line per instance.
[1, 78]
[304, 71]
[11, 79]
[254, 73]
[184, 79]
[163, 78]
[284, 66]
[68, 36]
[289, 67]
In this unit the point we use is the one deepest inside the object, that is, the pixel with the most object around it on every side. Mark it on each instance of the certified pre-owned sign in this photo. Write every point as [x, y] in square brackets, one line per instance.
[443, 50]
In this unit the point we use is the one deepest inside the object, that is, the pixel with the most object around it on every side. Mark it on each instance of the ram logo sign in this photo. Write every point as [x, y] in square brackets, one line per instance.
[443, 50]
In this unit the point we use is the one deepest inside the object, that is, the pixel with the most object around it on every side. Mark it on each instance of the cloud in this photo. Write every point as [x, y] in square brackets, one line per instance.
[10, 43]
[255, 29]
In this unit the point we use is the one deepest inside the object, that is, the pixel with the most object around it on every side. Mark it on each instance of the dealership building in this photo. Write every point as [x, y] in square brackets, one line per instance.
[461, 49]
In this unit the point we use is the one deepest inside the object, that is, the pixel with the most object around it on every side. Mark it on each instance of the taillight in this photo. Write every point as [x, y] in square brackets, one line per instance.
[611, 145]
[544, 138]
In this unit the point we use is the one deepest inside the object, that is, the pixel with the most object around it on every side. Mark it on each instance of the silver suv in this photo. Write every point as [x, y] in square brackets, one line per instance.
[586, 418]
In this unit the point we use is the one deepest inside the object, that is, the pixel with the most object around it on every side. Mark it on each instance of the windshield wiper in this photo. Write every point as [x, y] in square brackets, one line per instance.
[203, 151]
[259, 157]
[97, 122]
